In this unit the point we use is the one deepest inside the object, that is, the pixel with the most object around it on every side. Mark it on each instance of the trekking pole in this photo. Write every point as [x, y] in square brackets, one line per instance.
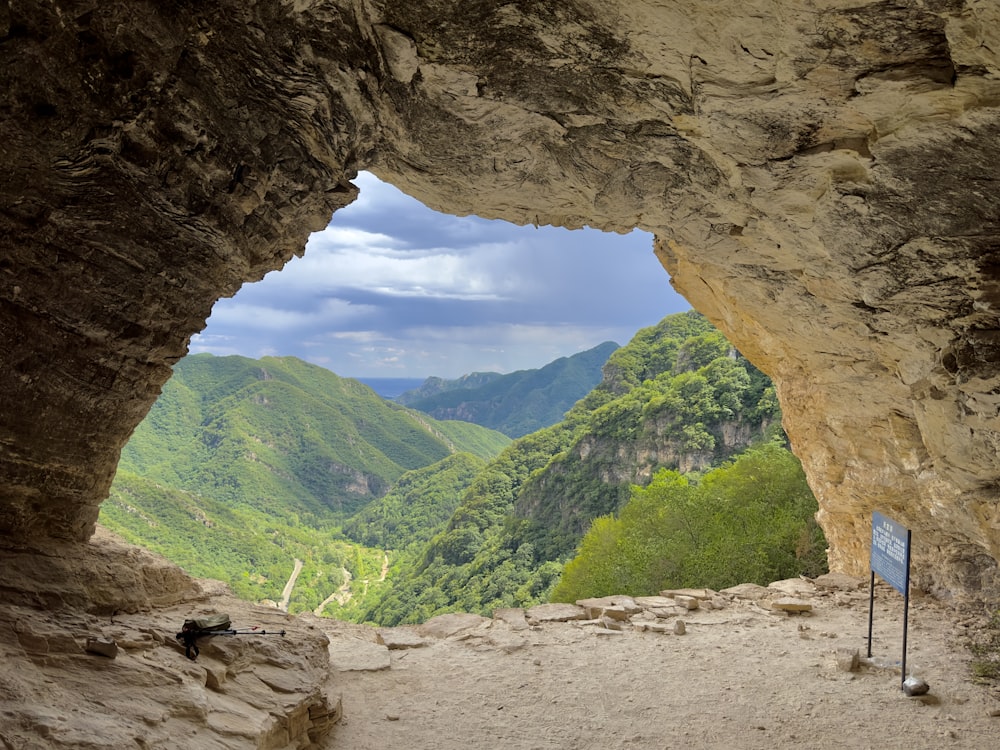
[189, 637]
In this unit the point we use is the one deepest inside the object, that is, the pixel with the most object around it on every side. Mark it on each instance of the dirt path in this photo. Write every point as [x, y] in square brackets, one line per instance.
[740, 677]
[286, 593]
[344, 593]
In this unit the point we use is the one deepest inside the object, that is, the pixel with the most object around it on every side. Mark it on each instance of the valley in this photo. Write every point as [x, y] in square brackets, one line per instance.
[309, 491]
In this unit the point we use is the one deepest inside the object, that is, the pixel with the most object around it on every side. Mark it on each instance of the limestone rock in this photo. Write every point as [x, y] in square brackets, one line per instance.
[447, 625]
[750, 591]
[793, 587]
[837, 582]
[252, 691]
[615, 607]
[700, 594]
[848, 659]
[103, 646]
[611, 623]
[513, 617]
[915, 686]
[687, 602]
[356, 655]
[657, 627]
[791, 604]
[664, 612]
[157, 160]
[556, 613]
[397, 639]
[654, 602]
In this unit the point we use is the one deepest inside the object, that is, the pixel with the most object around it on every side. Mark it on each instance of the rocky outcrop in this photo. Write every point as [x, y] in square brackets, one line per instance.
[820, 180]
[91, 659]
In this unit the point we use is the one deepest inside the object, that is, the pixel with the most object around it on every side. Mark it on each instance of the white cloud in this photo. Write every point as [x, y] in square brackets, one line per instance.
[393, 288]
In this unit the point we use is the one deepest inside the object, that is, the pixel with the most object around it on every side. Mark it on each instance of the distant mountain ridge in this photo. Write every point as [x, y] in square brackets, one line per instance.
[517, 403]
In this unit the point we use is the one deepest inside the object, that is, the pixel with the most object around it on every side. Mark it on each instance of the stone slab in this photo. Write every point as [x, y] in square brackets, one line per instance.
[651, 602]
[556, 613]
[837, 582]
[513, 616]
[791, 604]
[450, 624]
[693, 593]
[396, 639]
[355, 655]
[750, 591]
[793, 587]
[622, 603]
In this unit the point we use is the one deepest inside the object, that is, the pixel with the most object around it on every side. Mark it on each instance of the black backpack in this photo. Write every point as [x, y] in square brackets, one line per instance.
[199, 628]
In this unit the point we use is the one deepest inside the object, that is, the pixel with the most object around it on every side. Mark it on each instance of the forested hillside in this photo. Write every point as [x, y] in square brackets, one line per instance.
[677, 397]
[256, 432]
[517, 403]
[243, 466]
[751, 521]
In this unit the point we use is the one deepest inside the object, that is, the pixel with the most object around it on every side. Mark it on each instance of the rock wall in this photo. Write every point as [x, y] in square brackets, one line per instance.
[820, 178]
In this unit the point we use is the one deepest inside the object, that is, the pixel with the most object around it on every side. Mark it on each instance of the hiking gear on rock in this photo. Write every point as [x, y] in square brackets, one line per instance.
[213, 625]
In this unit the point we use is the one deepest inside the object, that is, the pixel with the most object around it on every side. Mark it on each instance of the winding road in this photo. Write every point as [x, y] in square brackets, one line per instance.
[286, 593]
[343, 594]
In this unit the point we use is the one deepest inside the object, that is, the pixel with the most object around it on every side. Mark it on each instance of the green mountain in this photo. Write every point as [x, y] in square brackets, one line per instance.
[248, 471]
[518, 403]
[418, 505]
[279, 431]
[243, 466]
[677, 397]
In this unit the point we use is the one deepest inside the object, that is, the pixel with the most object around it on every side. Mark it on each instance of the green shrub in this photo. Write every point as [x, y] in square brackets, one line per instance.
[750, 521]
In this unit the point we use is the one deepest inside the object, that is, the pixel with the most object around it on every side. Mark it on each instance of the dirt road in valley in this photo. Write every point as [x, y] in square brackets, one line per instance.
[286, 593]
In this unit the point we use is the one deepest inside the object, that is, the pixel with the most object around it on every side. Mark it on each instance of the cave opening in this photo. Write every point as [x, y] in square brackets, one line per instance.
[392, 289]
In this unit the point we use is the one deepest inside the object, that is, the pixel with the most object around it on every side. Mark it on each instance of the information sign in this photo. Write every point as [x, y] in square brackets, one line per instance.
[890, 556]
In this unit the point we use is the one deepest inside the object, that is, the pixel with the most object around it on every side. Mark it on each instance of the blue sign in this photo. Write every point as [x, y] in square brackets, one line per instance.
[891, 552]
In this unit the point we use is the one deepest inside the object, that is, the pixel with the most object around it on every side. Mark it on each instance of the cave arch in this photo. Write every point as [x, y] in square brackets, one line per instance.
[820, 186]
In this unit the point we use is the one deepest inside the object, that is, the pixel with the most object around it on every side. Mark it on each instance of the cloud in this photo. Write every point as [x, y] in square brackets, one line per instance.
[393, 288]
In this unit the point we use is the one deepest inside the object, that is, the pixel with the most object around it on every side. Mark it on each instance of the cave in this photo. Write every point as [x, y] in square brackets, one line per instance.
[821, 184]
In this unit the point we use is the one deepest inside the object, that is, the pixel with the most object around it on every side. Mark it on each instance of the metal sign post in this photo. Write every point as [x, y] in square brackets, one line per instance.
[890, 558]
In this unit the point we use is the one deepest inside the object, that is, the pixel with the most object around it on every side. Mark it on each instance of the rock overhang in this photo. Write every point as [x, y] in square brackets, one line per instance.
[821, 184]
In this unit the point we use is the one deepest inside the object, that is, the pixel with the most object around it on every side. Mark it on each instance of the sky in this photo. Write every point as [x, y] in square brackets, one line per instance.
[393, 289]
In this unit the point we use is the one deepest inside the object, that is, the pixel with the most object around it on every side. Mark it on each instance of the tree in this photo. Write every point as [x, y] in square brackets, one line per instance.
[752, 520]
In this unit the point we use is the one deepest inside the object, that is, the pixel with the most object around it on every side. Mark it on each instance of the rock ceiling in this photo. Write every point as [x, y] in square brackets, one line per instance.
[820, 177]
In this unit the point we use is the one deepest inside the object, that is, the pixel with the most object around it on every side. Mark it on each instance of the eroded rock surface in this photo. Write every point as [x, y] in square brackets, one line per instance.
[820, 178]
[59, 691]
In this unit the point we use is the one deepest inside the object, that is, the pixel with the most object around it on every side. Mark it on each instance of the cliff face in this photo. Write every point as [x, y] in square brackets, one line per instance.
[553, 498]
[820, 178]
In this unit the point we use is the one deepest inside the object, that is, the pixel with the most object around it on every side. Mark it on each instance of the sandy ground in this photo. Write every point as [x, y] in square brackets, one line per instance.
[740, 677]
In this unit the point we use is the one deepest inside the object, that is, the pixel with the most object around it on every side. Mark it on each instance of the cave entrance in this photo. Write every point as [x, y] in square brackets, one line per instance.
[393, 290]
